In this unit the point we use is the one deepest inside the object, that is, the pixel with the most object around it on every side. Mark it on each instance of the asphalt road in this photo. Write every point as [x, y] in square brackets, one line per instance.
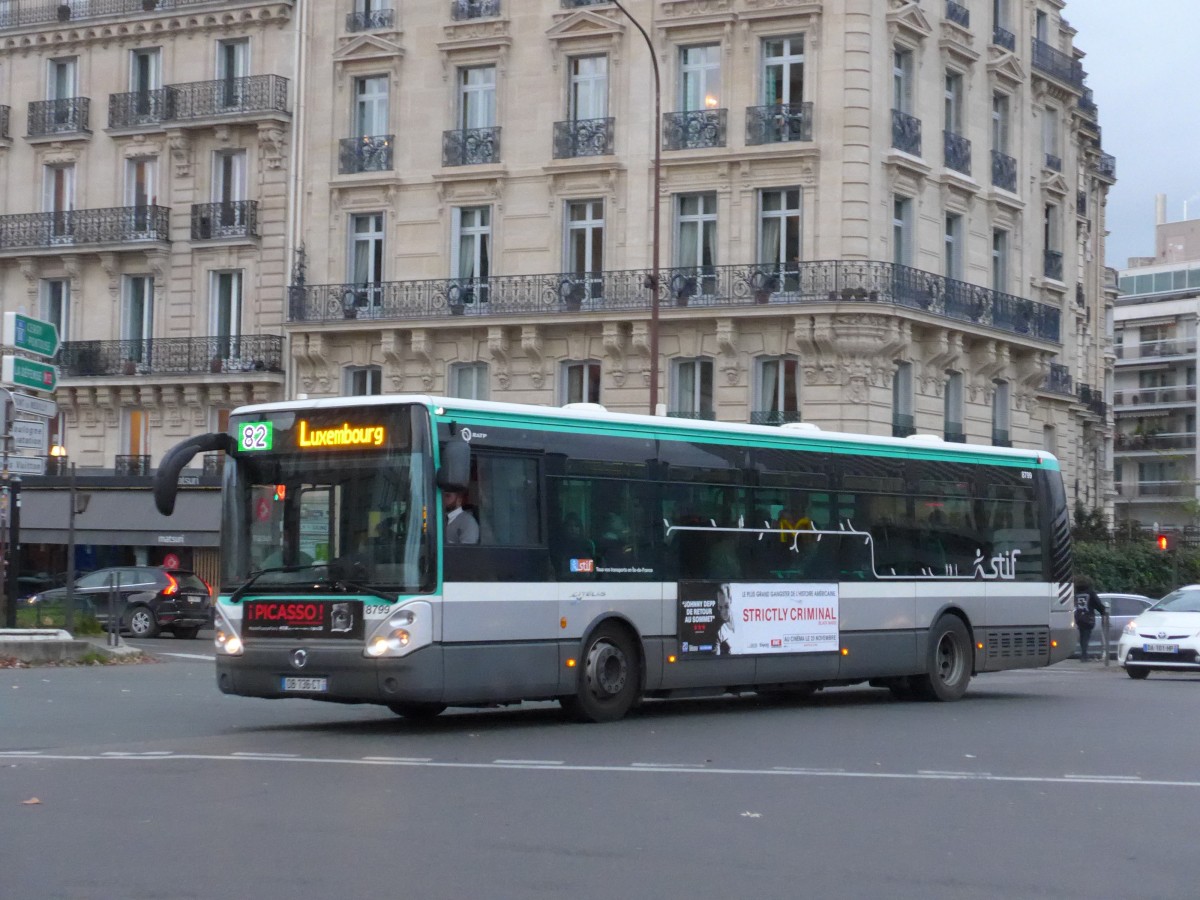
[1072, 782]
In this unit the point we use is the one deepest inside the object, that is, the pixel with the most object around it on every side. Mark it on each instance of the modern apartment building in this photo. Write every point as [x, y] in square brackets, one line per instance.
[882, 216]
[1154, 396]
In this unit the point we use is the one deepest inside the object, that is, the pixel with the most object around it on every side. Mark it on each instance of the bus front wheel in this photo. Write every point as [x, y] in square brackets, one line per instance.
[949, 662]
[609, 677]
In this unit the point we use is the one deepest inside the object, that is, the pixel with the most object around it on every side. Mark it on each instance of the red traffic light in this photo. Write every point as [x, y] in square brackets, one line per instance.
[1163, 542]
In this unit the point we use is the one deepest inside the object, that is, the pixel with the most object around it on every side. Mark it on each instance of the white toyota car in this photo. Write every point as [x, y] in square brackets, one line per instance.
[1165, 638]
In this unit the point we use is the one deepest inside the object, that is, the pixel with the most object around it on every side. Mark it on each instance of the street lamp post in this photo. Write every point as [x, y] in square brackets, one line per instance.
[652, 281]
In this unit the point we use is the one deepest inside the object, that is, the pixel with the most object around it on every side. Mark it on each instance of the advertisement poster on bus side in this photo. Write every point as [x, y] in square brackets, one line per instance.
[740, 619]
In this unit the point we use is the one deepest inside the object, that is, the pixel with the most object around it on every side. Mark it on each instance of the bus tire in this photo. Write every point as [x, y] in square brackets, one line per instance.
[1137, 673]
[948, 664]
[609, 677]
[419, 711]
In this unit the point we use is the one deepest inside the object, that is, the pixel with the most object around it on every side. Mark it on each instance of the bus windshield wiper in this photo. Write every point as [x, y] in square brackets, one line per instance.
[338, 578]
[273, 570]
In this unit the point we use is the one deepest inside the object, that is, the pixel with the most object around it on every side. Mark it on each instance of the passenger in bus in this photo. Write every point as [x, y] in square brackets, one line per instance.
[569, 543]
[461, 527]
[615, 546]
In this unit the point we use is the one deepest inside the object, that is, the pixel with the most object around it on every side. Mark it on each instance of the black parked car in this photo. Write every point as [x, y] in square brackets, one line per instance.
[149, 600]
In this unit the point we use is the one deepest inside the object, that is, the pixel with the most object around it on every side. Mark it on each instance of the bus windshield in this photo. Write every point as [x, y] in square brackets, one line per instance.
[350, 489]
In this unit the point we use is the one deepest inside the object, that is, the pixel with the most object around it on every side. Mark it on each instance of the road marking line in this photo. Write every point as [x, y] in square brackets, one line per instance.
[186, 656]
[527, 762]
[801, 770]
[399, 759]
[1103, 777]
[934, 773]
[20, 752]
[255, 755]
[667, 766]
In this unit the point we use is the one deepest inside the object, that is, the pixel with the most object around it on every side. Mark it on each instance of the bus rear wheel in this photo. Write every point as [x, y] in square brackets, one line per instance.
[949, 662]
[609, 677]
[418, 710]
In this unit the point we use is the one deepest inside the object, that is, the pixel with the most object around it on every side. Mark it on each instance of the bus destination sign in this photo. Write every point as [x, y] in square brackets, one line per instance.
[255, 436]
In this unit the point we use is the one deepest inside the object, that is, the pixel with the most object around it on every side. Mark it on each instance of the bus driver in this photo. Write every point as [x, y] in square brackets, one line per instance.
[461, 527]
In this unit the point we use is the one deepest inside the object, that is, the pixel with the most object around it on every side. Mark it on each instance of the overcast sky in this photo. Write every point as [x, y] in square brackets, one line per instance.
[1143, 62]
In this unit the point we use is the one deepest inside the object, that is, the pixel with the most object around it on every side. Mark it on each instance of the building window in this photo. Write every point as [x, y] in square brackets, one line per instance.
[58, 188]
[902, 400]
[470, 253]
[1000, 122]
[783, 70]
[145, 75]
[1000, 14]
[954, 103]
[229, 177]
[370, 106]
[778, 390]
[1051, 143]
[902, 230]
[137, 316]
[953, 413]
[1002, 415]
[692, 396]
[1000, 260]
[581, 382]
[902, 80]
[588, 89]
[1041, 26]
[477, 97]
[137, 436]
[779, 227]
[696, 242]
[954, 246]
[60, 80]
[364, 381]
[700, 77]
[585, 248]
[1051, 230]
[233, 59]
[366, 264]
[141, 191]
[56, 305]
[227, 313]
[469, 381]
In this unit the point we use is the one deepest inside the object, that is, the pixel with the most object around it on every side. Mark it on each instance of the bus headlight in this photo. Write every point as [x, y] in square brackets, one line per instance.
[225, 637]
[402, 632]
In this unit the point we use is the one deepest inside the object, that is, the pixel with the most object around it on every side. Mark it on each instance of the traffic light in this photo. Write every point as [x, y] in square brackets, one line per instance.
[1165, 543]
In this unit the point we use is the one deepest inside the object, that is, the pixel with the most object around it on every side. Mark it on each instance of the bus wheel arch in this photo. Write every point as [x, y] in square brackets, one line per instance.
[611, 672]
[949, 660]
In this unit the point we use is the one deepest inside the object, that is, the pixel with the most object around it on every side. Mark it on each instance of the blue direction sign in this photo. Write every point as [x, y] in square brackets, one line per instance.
[29, 334]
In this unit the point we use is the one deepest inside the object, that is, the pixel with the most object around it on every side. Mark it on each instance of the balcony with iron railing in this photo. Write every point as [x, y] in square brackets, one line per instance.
[1154, 442]
[461, 10]
[579, 4]
[780, 123]
[1093, 399]
[58, 118]
[1058, 65]
[370, 19]
[1169, 395]
[1052, 264]
[958, 14]
[471, 146]
[248, 97]
[1087, 103]
[131, 466]
[26, 13]
[80, 227]
[1002, 37]
[1106, 166]
[694, 129]
[1059, 381]
[1004, 171]
[231, 355]
[367, 153]
[906, 133]
[703, 415]
[774, 416]
[786, 286]
[1156, 489]
[227, 220]
[579, 138]
[1156, 350]
[956, 152]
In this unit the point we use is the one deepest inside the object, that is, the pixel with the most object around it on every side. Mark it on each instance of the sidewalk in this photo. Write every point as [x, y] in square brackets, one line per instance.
[53, 645]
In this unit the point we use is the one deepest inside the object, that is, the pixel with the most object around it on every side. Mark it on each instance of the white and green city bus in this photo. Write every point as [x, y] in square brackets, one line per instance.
[619, 557]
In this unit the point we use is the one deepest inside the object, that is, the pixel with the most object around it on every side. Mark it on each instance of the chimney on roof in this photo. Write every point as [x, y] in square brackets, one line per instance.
[1160, 209]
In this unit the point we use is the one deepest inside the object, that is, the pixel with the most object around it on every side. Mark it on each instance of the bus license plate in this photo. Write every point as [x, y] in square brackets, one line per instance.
[309, 685]
[1160, 648]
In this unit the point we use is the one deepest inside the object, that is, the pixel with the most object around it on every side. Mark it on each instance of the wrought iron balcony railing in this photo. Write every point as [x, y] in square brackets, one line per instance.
[234, 219]
[774, 416]
[1053, 264]
[906, 132]
[471, 146]
[1154, 349]
[1093, 399]
[132, 466]
[1002, 37]
[868, 282]
[694, 129]
[1087, 103]
[958, 14]
[172, 356]
[1059, 380]
[704, 415]
[779, 123]
[1106, 166]
[370, 19]
[68, 116]
[1154, 443]
[903, 424]
[578, 4]
[1053, 163]
[957, 151]
[473, 9]
[1159, 489]
[224, 97]
[1172, 395]
[1053, 62]
[369, 153]
[4, 111]
[583, 137]
[22, 13]
[121, 224]
[1004, 171]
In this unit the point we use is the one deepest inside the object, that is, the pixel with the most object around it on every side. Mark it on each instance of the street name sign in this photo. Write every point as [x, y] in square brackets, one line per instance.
[31, 335]
[28, 373]
[34, 406]
[31, 436]
[27, 465]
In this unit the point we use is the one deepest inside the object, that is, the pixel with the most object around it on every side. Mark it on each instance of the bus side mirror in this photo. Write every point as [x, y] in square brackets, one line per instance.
[166, 478]
[455, 471]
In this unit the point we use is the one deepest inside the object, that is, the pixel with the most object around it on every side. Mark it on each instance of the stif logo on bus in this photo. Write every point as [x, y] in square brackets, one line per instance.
[583, 565]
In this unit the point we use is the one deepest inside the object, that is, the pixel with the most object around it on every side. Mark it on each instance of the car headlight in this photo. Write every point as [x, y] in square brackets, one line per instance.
[401, 632]
[1130, 627]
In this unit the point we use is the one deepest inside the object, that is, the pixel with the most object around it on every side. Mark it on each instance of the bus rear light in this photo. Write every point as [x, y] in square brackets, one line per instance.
[562, 623]
[1054, 643]
[845, 651]
[570, 663]
[671, 658]
[979, 646]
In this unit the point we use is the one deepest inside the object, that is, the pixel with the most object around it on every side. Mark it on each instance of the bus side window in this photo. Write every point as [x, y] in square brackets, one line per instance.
[504, 499]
